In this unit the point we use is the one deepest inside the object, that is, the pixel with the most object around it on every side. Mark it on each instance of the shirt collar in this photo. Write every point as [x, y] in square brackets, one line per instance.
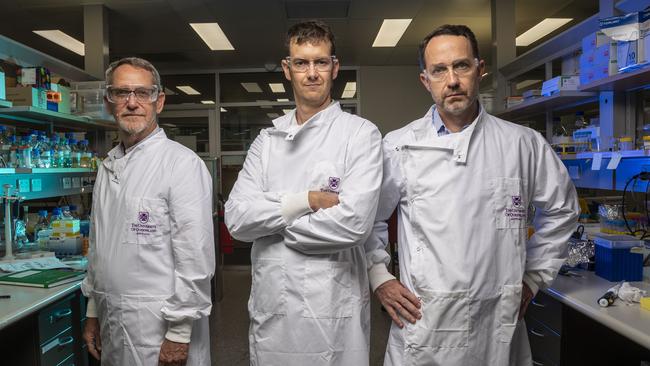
[439, 124]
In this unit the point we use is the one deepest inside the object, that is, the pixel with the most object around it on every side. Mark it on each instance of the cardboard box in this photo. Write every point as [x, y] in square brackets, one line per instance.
[27, 96]
[560, 83]
[626, 31]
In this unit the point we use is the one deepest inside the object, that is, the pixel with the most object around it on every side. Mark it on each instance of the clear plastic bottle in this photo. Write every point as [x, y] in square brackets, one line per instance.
[75, 153]
[66, 153]
[5, 146]
[13, 152]
[86, 155]
[56, 216]
[73, 211]
[55, 151]
[26, 153]
[42, 224]
[46, 154]
[66, 214]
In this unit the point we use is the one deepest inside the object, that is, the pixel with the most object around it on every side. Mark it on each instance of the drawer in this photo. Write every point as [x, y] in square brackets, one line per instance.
[54, 319]
[68, 361]
[542, 361]
[82, 306]
[545, 344]
[58, 349]
[546, 310]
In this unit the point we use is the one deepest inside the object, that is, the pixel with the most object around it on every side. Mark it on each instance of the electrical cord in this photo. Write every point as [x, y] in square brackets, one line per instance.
[641, 176]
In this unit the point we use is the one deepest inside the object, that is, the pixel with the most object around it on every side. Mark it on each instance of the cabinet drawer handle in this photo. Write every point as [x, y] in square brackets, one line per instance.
[65, 341]
[60, 314]
[537, 363]
[537, 333]
[538, 304]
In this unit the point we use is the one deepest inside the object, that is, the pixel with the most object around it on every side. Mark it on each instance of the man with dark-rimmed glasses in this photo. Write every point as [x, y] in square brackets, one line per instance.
[306, 197]
[151, 254]
[462, 181]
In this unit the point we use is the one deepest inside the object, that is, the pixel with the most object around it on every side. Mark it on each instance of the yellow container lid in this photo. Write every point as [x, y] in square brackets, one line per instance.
[625, 139]
[646, 138]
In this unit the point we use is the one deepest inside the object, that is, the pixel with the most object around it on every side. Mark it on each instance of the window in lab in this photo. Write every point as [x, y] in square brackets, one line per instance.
[191, 132]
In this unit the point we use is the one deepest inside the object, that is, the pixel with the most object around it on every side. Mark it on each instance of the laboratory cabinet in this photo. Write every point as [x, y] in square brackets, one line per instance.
[50, 336]
[561, 335]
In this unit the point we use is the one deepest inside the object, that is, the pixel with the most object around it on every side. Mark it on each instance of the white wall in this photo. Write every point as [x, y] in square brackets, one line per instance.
[392, 96]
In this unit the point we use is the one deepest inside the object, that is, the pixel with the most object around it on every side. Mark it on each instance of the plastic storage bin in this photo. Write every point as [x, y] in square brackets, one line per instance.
[616, 260]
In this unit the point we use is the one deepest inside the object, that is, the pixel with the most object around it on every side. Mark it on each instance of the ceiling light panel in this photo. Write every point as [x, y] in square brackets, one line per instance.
[63, 40]
[283, 100]
[252, 87]
[207, 102]
[543, 28]
[223, 109]
[188, 90]
[390, 32]
[273, 115]
[213, 36]
[350, 90]
[277, 87]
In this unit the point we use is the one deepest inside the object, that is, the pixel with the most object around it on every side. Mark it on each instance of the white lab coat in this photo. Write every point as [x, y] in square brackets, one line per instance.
[309, 302]
[462, 207]
[152, 251]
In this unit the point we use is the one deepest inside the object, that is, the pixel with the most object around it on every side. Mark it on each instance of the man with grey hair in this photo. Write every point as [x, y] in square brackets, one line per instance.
[151, 253]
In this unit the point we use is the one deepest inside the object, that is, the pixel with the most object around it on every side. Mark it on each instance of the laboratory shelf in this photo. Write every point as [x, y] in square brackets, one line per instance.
[43, 116]
[558, 101]
[7, 171]
[621, 82]
[53, 170]
[5, 103]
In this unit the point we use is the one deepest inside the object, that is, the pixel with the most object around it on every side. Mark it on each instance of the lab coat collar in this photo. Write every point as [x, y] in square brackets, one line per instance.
[117, 153]
[285, 126]
[425, 134]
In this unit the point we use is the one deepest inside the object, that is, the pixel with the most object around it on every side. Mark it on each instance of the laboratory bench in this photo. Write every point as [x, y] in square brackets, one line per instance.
[42, 327]
[566, 326]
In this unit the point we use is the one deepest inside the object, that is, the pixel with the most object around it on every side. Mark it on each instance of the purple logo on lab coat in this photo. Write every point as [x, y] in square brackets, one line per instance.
[516, 201]
[334, 183]
[143, 217]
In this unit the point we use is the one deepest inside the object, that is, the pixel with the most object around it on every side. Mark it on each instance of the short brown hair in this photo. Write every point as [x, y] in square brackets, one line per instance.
[312, 31]
[137, 62]
[448, 30]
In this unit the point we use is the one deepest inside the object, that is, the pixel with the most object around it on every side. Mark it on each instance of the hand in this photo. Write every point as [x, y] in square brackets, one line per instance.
[318, 200]
[526, 297]
[173, 354]
[92, 338]
[397, 299]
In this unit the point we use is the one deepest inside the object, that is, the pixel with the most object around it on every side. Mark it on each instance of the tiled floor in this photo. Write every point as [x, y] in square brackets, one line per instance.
[229, 323]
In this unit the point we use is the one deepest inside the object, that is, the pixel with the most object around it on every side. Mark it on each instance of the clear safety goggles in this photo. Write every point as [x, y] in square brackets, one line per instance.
[321, 64]
[142, 94]
[460, 67]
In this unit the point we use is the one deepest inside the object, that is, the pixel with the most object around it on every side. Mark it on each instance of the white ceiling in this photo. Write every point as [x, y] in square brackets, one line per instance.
[159, 29]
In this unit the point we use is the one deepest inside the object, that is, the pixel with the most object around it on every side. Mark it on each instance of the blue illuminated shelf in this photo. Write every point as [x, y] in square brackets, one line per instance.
[561, 100]
[5, 103]
[621, 82]
[43, 116]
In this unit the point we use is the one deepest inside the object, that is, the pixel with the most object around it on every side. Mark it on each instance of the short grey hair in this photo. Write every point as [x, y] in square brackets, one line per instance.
[135, 62]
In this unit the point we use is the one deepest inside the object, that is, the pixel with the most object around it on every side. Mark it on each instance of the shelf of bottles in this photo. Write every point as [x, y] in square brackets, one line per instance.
[37, 153]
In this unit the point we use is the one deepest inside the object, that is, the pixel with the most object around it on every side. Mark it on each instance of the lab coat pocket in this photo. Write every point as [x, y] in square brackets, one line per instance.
[326, 176]
[510, 206]
[508, 312]
[445, 321]
[146, 221]
[327, 290]
[141, 321]
[269, 291]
